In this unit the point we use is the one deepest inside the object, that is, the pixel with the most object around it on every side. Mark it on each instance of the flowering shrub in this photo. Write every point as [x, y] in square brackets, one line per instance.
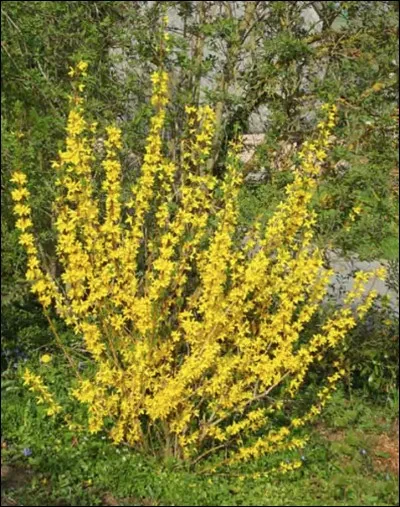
[195, 337]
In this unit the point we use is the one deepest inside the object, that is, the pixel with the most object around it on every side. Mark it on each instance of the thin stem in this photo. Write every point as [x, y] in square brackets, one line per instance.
[60, 344]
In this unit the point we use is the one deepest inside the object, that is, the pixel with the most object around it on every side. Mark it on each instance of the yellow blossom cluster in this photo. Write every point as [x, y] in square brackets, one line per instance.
[195, 336]
[36, 385]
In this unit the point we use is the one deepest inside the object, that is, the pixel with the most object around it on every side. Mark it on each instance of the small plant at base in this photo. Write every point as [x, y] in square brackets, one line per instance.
[195, 341]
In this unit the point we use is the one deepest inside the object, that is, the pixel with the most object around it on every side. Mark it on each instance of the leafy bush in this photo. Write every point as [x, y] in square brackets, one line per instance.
[372, 351]
[194, 339]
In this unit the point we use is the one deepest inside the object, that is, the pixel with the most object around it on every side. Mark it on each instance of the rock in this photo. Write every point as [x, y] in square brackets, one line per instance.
[256, 178]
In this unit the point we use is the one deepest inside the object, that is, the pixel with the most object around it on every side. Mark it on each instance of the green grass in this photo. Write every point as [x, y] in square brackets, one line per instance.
[349, 461]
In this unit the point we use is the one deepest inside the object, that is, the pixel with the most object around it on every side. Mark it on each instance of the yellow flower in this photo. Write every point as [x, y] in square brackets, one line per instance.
[93, 126]
[23, 223]
[45, 358]
[381, 273]
[82, 66]
[19, 178]
[19, 193]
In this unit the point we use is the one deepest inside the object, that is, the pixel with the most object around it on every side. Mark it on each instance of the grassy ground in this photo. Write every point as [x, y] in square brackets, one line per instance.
[352, 459]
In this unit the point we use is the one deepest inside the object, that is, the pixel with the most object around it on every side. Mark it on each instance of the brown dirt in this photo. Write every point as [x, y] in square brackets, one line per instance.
[14, 477]
[7, 502]
[388, 443]
[109, 499]
[329, 434]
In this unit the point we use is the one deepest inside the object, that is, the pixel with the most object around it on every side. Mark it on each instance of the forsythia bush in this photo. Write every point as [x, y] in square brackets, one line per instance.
[195, 335]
